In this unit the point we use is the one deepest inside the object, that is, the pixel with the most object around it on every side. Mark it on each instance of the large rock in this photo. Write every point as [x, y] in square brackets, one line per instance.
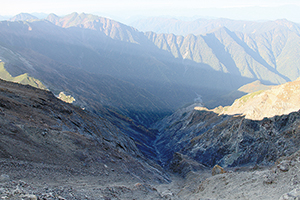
[217, 169]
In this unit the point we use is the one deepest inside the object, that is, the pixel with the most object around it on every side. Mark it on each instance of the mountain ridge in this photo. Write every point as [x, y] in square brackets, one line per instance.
[201, 26]
[95, 52]
[126, 84]
[278, 100]
[23, 17]
[259, 56]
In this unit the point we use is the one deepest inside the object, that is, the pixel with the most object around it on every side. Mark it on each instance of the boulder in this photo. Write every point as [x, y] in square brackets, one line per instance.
[217, 169]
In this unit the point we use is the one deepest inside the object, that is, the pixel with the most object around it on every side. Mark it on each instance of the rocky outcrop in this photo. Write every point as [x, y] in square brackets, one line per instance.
[236, 141]
[224, 136]
[229, 141]
[182, 165]
[217, 169]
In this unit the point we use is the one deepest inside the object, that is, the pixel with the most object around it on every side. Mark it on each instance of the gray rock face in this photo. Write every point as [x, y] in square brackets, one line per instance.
[229, 141]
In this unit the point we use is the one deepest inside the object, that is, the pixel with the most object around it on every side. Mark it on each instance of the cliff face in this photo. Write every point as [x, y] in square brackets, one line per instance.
[236, 141]
[227, 140]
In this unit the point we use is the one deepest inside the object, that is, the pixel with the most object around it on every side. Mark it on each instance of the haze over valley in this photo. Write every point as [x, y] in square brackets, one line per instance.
[163, 108]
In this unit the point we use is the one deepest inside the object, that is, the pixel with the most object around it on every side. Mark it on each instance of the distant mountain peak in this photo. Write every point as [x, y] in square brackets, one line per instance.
[23, 17]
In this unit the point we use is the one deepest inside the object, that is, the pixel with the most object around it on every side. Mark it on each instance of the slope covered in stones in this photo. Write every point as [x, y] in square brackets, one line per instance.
[47, 141]
[263, 121]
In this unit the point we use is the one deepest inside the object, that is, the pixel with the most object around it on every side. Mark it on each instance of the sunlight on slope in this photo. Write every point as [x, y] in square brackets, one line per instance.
[24, 79]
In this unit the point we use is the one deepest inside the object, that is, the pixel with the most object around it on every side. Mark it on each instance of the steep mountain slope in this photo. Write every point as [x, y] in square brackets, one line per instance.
[158, 66]
[46, 140]
[278, 100]
[229, 141]
[260, 56]
[221, 136]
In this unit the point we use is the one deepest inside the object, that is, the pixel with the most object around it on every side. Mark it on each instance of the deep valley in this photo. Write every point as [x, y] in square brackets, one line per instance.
[91, 108]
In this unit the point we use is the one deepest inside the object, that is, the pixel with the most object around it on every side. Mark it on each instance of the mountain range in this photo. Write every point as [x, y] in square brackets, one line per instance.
[162, 108]
[108, 48]
[210, 65]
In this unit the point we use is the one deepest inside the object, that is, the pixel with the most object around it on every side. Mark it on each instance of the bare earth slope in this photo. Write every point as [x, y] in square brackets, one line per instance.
[57, 149]
[278, 100]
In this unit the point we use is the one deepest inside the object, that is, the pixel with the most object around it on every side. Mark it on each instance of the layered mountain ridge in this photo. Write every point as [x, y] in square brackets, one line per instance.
[101, 46]
[126, 84]
[259, 55]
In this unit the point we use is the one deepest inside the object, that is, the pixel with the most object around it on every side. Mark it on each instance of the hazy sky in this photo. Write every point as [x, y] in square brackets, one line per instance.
[122, 9]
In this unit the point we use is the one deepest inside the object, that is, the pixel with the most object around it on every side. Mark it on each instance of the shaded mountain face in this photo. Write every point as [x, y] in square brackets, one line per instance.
[104, 47]
[88, 89]
[256, 129]
[38, 127]
[229, 141]
[100, 94]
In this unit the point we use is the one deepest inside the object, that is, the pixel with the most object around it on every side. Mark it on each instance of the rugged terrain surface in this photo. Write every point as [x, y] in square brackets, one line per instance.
[54, 150]
[226, 137]
[122, 81]
[48, 143]
[278, 100]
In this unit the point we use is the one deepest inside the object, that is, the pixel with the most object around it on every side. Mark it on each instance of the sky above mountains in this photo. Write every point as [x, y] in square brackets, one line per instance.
[129, 10]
